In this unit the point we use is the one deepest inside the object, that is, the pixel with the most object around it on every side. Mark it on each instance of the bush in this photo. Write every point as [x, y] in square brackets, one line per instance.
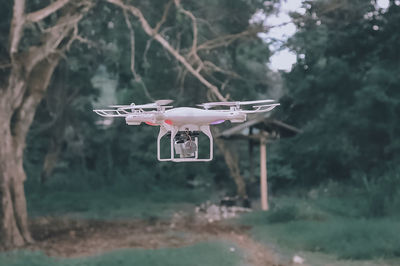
[283, 214]
[381, 194]
[304, 225]
[354, 238]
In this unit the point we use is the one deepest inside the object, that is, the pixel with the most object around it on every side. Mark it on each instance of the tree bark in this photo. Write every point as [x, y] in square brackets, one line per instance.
[20, 93]
[13, 223]
[233, 165]
[15, 123]
[10, 233]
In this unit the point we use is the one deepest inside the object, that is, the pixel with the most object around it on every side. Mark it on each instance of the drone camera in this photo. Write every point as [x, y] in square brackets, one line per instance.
[185, 144]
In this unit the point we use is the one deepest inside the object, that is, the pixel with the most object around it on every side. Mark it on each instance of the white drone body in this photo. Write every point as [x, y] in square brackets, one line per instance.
[184, 123]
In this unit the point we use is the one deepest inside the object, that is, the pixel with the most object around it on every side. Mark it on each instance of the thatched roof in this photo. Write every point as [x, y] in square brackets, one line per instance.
[264, 123]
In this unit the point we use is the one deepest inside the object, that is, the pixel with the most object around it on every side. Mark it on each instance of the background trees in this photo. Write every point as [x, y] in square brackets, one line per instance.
[343, 92]
[126, 50]
[30, 55]
[65, 57]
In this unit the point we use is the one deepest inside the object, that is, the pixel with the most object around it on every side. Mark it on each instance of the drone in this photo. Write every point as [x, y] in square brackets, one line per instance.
[183, 125]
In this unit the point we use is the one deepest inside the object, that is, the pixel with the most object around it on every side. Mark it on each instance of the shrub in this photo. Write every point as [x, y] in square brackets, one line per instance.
[283, 214]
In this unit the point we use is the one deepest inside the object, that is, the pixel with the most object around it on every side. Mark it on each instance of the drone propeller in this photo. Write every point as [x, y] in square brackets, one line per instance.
[163, 102]
[156, 104]
[261, 108]
[214, 104]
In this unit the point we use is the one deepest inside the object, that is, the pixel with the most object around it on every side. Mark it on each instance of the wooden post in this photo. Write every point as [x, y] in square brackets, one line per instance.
[263, 174]
[251, 157]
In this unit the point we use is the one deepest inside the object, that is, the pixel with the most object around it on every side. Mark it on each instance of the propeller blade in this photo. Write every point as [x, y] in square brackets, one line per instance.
[266, 105]
[220, 103]
[261, 108]
[256, 102]
[121, 106]
[163, 102]
[213, 104]
[130, 107]
[143, 106]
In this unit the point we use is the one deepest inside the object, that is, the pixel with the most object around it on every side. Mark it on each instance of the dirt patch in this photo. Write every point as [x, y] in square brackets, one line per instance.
[63, 237]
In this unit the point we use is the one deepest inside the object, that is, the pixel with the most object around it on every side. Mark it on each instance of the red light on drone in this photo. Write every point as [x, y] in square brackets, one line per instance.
[169, 122]
[149, 123]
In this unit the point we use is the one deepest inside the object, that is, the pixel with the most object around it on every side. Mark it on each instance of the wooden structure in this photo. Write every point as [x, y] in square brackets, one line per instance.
[260, 129]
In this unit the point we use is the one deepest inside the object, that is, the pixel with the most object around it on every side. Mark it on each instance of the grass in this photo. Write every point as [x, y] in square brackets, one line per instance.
[206, 253]
[325, 227]
[112, 204]
[306, 225]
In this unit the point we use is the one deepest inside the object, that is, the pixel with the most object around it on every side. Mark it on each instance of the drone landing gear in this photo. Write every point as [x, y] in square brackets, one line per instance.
[184, 142]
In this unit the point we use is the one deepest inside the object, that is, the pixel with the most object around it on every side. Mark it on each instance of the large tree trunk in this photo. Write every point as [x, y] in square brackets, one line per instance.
[50, 159]
[13, 206]
[14, 125]
[21, 90]
[232, 162]
[13, 228]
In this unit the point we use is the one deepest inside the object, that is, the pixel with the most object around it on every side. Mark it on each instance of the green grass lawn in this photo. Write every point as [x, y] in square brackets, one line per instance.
[328, 228]
[206, 253]
[302, 225]
[110, 204]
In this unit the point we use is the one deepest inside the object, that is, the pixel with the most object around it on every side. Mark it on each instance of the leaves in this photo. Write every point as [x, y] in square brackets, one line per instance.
[344, 93]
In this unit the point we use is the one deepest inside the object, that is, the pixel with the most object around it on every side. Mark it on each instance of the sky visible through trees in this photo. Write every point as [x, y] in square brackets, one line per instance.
[283, 58]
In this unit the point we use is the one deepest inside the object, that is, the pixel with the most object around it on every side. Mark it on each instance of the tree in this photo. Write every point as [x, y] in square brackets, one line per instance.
[40, 36]
[224, 54]
[197, 59]
[343, 92]
[37, 41]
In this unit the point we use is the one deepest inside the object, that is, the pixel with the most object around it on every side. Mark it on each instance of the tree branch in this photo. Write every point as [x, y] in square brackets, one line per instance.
[150, 31]
[164, 16]
[194, 26]
[52, 39]
[17, 26]
[225, 40]
[221, 70]
[38, 82]
[136, 76]
[47, 11]
[53, 44]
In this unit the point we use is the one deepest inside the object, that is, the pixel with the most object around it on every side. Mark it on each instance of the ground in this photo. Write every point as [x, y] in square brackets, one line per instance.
[64, 237]
[123, 231]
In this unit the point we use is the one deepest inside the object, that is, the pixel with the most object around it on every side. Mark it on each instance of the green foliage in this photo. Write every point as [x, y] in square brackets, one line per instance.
[207, 253]
[308, 225]
[343, 93]
[382, 194]
[113, 202]
[283, 214]
[115, 156]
